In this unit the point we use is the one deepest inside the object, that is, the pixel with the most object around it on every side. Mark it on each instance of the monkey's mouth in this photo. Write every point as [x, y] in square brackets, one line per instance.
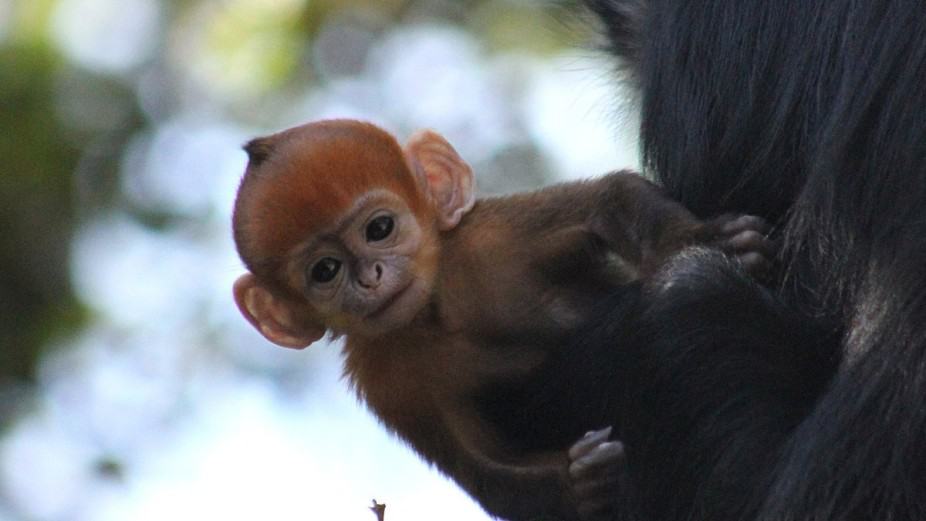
[389, 302]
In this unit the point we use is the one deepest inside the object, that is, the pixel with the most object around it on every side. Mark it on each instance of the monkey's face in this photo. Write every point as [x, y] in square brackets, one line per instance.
[371, 271]
[339, 225]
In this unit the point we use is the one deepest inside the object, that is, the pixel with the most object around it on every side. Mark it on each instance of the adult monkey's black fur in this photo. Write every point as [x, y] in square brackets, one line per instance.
[811, 114]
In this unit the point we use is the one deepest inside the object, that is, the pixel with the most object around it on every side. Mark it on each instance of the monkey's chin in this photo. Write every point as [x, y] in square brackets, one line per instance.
[399, 309]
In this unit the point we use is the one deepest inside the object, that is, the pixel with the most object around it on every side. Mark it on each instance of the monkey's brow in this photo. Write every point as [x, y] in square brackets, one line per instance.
[348, 218]
[361, 204]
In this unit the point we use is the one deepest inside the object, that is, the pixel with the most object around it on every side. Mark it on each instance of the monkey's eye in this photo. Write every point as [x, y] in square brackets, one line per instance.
[325, 270]
[380, 228]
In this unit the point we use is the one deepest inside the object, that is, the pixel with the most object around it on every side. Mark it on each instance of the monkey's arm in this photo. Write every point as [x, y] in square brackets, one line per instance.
[645, 227]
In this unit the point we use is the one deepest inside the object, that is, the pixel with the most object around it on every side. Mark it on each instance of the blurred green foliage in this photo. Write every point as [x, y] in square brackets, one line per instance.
[55, 170]
[36, 210]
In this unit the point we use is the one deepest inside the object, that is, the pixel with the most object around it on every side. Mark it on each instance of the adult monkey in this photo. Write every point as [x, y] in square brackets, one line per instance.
[809, 113]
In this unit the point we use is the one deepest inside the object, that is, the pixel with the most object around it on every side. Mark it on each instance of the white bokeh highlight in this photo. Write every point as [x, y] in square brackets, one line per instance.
[107, 35]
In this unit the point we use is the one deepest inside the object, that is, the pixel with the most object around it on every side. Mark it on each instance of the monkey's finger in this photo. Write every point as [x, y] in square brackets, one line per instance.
[751, 240]
[755, 263]
[605, 458]
[746, 222]
[594, 489]
[588, 442]
[600, 508]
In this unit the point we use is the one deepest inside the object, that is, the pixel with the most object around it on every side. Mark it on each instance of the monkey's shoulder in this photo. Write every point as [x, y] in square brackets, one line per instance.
[562, 203]
[554, 234]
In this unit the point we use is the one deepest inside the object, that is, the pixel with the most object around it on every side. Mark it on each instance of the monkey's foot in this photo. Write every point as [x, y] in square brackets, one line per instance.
[595, 469]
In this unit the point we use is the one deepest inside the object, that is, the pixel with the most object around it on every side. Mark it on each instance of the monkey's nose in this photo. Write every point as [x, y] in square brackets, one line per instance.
[370, 276]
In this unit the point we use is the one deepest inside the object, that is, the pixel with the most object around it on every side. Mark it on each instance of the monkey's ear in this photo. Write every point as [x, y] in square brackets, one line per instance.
[446, 177]
[273, 317]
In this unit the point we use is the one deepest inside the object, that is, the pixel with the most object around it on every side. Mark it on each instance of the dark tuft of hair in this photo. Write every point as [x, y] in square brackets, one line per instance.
[258, 149]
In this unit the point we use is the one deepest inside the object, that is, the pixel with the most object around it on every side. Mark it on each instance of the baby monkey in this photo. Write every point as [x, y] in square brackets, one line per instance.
[442, 296]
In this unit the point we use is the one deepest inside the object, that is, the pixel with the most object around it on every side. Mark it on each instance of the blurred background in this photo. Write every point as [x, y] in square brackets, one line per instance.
[130, 388]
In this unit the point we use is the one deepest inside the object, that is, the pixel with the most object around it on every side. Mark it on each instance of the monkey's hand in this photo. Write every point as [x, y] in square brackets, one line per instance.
[746, 238]
[595, 469]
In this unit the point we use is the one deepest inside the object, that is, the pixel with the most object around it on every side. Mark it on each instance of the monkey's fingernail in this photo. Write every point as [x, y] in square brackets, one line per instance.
[602, 433]
[610, 449]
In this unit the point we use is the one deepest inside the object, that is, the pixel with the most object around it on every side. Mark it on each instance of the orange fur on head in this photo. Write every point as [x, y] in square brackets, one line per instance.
[328, 165]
